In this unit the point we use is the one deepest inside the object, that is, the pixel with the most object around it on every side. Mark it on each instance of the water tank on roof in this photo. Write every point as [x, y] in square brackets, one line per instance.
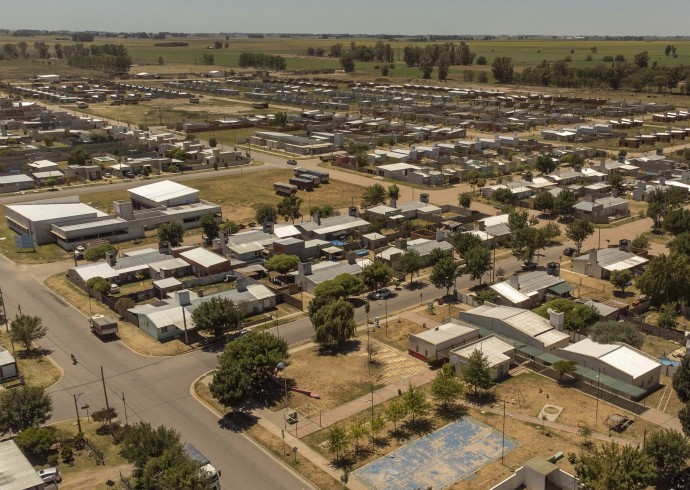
[624, 245]
[424, 197]
[553, 269]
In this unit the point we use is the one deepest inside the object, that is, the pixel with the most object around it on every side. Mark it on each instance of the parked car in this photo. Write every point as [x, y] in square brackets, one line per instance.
[114, 289]
[292, 162]
[381, 294]
[50, 475]
[569, 251]
[529, 266]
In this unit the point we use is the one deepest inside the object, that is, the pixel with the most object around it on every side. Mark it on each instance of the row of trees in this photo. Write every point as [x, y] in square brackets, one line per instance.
[106, 57]
[261, 60]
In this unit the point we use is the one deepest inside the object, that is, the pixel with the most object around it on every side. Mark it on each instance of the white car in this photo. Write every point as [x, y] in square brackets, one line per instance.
[50, 475]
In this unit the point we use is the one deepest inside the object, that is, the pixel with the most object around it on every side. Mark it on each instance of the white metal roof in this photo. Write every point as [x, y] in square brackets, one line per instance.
[286, 231]
[492, 347]
[509, 292]
[259, 291]
[628, 263]
[629, 361]
[444, 333]
[16, 470]
[162, 191]
[551, 337]
[41, 212]
[589, 348]
[5, 357]
[203, 257]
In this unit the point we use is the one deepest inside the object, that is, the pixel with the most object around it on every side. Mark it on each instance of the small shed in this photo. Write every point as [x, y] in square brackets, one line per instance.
[163, 287]
[499, 354]
[8, 365]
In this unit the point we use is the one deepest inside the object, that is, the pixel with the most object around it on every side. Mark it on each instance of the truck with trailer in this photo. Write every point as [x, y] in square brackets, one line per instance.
[206, 466]
[303, 184]
[283, 189]
[323, 176]
[103, 327]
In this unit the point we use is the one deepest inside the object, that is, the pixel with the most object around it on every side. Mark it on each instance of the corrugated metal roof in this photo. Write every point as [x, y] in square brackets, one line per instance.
[203, 257]
[589, 348]
[492, 347]
[5, 357]
[44, 212]
[630, 361]
[18, 474]
[509, 292]
[286, 231]
[445, 332]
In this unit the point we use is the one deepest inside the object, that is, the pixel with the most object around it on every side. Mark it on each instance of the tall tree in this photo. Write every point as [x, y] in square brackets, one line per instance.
[334, 324]
[464, 242]
[347, 62]
[173, 469]
[617, 182]
[358, 430]
[443, 273]
[337, 440]
[171, 232]
[565, 201]
[446, 388]
[142, 442]
[265, 213]
[477, 262]
[545, 164]
[465, 200]
[288, 208]
[394, 412]
[245, 368]
[681, 380]
[24, 407]
[282, 263]
[620, 278]
[669, 449]
[217, 316]
[351, 284]
[26, 329]
[394, 192]
[210, 226]
[410, 262]
[415, 403]
[564, 367]
[615, 467]
[578, 231]
[78, 157]
[608, 332]
[665, 279]
[502, 69]
[373, 196]
[544, 201]
[477, 372]
[377, 274]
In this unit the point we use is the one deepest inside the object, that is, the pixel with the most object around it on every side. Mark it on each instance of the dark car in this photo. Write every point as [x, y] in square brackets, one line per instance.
[529, 266]
[569, 251]
[292, 162]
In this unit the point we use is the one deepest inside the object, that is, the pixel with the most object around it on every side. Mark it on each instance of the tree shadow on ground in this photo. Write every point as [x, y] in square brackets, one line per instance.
[420, 425]
[237, 421]
[481, 397]
[451, 411]
[417, 285]
[344, 461]
[400, 434]
[34, 353]
[350, 346]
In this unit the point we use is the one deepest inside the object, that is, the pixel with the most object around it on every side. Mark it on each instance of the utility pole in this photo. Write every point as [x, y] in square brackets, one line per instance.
[184, 320]
[503, 443]
[76, 409]
[105, 393]
[125, 405]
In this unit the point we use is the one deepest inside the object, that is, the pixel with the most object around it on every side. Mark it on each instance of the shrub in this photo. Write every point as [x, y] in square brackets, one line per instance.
[53, 460]
[67, 454]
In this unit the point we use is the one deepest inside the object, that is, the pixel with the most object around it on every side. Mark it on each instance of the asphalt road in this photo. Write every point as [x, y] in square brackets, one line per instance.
[156, 389]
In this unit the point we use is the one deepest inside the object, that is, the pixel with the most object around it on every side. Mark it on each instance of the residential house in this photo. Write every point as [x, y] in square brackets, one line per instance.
[600, 263]
[601, 210]
[17, 471]
[8, 365]
[530, 289]
[539, 474]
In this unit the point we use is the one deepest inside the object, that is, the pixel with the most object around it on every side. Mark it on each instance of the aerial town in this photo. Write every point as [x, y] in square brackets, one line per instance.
[303, 261]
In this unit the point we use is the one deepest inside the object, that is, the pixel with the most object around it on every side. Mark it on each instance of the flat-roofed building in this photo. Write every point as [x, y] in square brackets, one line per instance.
[436, 343]
[617, 360]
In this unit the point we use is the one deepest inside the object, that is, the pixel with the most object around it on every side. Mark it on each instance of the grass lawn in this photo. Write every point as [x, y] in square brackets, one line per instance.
[84, 472]
[37, 369]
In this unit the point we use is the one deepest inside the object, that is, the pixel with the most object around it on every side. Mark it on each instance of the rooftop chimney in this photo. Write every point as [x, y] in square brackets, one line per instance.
[110, 258]
[182, 297]
[515, 282]
[556, 319]
[242, 283]
[304, 269]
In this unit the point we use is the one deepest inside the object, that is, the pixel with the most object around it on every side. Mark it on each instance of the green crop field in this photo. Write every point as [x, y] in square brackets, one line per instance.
[525, 53]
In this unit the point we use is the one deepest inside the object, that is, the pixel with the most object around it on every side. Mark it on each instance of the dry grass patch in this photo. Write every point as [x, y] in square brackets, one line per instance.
[596, 289]
[337, 378]
[37, 369]
[534, 391]
[656, 346]
[395, 335]
[84, 472]
[665, 399]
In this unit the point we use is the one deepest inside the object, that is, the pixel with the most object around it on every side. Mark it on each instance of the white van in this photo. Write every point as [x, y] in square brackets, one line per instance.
[114, 289]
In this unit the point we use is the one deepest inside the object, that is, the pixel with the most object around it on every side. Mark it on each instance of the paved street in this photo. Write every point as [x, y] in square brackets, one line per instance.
[157, 390]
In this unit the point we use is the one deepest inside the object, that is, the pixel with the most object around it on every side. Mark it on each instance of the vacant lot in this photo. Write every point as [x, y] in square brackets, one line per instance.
[240, 195]
[396, 334]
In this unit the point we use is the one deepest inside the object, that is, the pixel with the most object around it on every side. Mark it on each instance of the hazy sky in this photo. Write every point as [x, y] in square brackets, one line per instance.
[558, 17]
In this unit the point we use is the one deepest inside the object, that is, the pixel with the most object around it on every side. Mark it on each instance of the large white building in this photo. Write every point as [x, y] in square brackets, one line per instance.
[617, 360]
[523, 326]
[69, 223]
